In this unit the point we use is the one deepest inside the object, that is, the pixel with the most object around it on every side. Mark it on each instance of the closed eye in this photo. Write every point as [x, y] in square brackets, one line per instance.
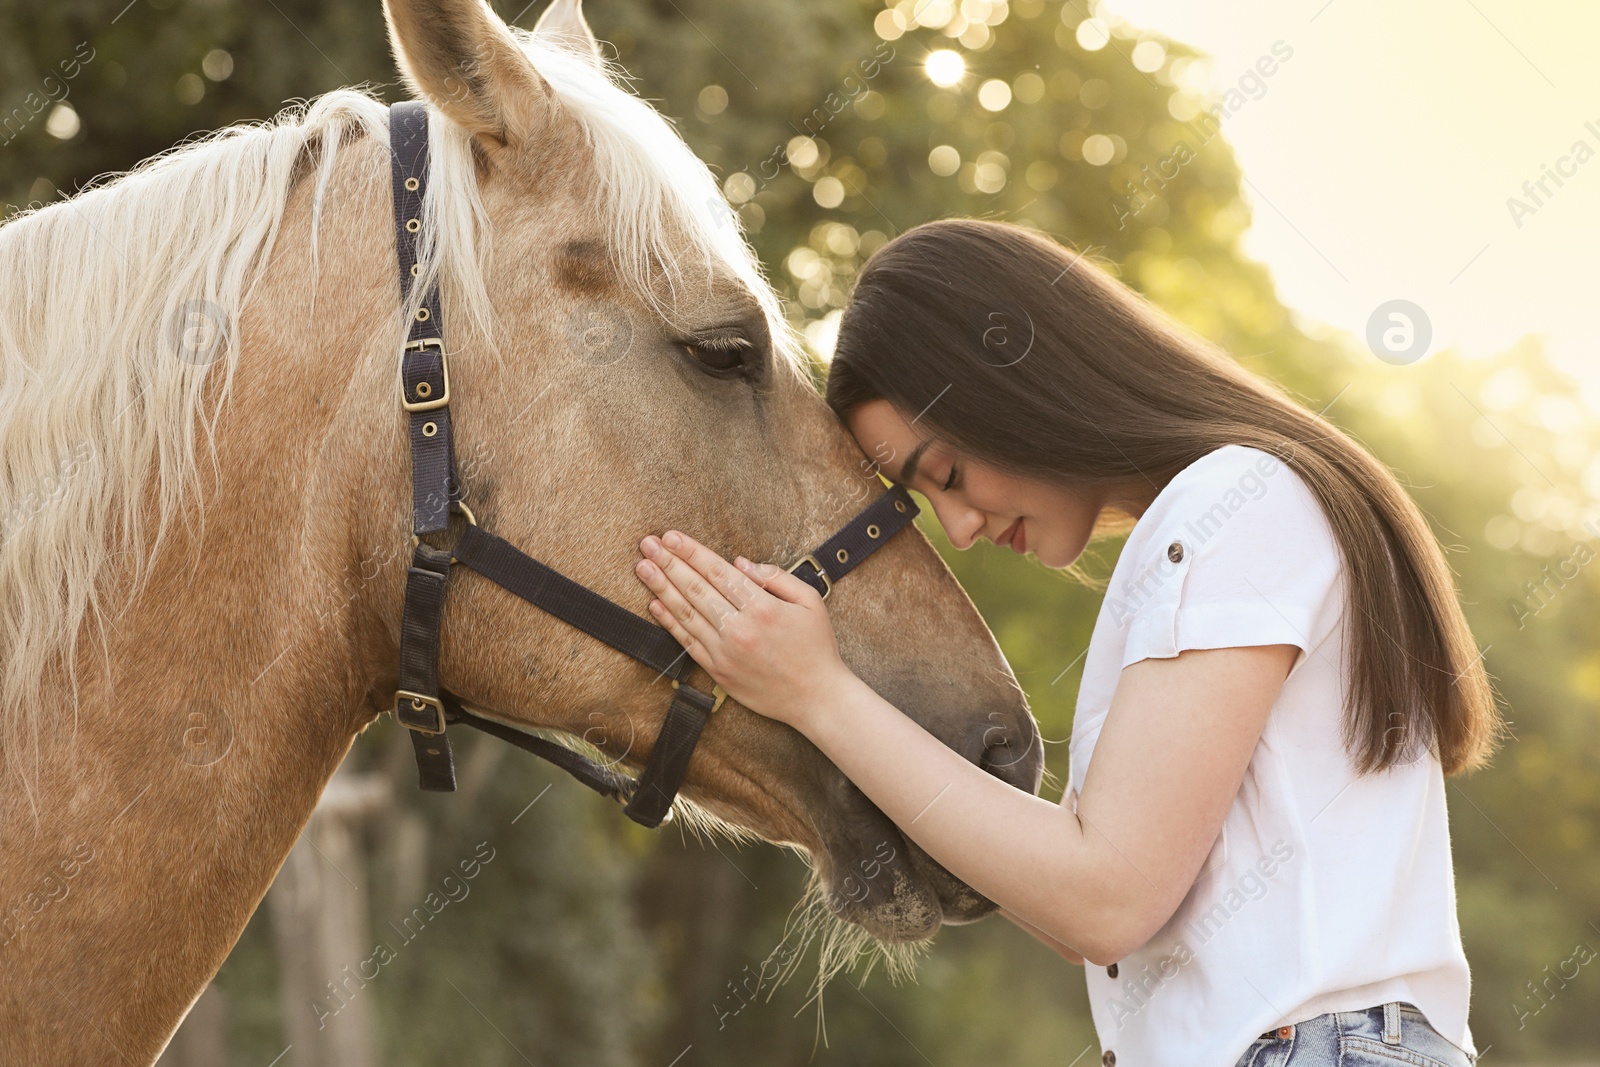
[723, 355]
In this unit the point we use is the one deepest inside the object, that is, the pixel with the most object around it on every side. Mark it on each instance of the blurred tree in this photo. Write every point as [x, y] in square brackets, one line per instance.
[588, 940]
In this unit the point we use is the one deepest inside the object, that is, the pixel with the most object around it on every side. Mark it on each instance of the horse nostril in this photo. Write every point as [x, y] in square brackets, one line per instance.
[1008, 747]
[1002, 751]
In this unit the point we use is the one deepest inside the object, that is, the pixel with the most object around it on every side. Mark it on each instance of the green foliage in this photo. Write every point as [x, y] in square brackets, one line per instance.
[589, 941]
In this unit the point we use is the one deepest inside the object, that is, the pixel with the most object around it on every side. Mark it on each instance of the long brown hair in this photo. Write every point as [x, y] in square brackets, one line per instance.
[1028, 357]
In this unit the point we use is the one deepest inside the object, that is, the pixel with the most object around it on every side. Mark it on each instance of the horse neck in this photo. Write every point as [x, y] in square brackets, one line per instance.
[227, 692]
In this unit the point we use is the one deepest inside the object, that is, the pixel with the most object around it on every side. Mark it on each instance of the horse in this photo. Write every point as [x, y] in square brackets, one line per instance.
[208, 507]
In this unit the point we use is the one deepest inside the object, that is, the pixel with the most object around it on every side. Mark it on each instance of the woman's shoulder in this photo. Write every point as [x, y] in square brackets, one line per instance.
[1230, 466]
[1235, 550]
[1227, 482]
[1244, 505]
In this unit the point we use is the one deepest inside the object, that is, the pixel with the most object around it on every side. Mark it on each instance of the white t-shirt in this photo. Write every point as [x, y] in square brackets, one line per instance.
[1324, 891]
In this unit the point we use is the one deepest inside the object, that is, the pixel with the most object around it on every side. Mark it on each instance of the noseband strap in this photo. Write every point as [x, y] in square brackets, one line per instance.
[421, 705]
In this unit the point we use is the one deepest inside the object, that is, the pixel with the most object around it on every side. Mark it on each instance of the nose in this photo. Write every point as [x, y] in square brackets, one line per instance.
[1006, 743]
[962, 525]
[988, 724]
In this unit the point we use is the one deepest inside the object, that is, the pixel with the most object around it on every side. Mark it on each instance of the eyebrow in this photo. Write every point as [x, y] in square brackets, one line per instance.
[909, 470]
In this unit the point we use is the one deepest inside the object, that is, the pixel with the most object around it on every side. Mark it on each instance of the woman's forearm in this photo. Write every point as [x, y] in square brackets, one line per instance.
[1028, 855]
[1045, 939]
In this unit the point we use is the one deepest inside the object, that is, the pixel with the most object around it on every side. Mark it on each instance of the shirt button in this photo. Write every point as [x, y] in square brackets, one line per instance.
[1111, 971]
[1108, 1058]
[1175, 552]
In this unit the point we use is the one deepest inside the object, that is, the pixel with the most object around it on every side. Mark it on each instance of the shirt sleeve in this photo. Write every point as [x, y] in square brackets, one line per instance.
[1236, 551]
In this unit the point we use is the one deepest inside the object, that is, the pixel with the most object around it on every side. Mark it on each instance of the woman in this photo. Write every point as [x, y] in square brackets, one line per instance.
[1253, 850]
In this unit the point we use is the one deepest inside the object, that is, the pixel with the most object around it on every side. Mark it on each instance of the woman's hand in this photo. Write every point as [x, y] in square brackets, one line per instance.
[762, 633]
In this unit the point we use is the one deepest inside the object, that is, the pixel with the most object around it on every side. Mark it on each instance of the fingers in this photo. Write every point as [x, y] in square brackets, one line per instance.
[689, 577]
[676, 621]
[688, 626]
[700, 590]
[780, 582]
[735, 589]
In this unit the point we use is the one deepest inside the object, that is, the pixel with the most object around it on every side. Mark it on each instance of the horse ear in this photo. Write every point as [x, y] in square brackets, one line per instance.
[563, 25]
[461, 57]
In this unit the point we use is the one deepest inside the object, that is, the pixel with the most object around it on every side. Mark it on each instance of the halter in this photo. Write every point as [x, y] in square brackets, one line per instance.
[425, 709]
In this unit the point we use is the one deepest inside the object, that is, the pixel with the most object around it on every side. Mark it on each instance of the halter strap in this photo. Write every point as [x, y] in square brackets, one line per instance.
[424, 372]
[421, 705]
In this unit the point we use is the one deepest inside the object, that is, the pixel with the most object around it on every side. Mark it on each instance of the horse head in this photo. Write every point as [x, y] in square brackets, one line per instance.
[644, 377]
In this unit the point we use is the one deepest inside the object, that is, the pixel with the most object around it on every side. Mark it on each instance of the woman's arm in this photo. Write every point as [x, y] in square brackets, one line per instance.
[1049, 942]
[1168, 763]
[1167, 766]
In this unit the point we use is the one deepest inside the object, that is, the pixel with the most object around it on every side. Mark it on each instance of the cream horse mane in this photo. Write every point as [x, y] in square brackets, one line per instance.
[97, 400]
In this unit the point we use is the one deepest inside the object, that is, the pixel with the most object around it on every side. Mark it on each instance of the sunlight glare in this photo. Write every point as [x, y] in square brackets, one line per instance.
[945, 67]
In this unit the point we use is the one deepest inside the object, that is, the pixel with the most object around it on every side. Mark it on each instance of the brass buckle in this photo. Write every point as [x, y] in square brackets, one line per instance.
[827, 583]
[444, 369]
[419, 703]
[716, 692]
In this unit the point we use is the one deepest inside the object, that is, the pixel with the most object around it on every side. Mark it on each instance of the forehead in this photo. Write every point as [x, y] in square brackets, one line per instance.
[890, 437]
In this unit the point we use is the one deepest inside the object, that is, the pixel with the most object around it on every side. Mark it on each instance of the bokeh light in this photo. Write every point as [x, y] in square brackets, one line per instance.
[1098, 149]
[1092, 34]
[890, 25]
[217, 65]
[1148, 56]
[828, 193]
[994, 95]
[713, 100]
[803, 153]
[934, 14]
[1029, 87]
[63, 123]
[944, 160]
[945, 67]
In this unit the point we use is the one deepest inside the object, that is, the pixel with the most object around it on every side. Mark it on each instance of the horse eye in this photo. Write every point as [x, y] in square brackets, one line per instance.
[720, 354]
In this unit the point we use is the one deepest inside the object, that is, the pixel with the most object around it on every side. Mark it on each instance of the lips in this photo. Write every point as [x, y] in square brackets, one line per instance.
[1010, 532]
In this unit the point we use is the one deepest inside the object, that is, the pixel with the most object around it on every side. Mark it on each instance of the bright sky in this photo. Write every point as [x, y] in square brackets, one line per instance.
[1379, 160]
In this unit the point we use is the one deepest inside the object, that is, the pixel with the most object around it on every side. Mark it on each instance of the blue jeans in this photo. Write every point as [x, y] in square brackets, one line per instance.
[1390, 1034]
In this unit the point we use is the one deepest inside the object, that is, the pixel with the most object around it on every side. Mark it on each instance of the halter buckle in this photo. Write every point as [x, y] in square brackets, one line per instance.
[409, 707]
[717, 695]
[466, 513]
[433, 402]
[827, 583]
